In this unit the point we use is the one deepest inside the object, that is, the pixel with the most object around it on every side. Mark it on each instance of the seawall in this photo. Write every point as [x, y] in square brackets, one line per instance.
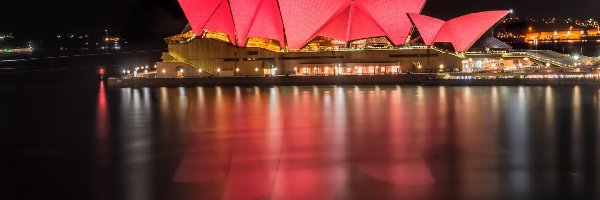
[404, 79]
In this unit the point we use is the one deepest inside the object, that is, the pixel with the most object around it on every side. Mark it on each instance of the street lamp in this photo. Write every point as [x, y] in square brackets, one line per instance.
[101, 71]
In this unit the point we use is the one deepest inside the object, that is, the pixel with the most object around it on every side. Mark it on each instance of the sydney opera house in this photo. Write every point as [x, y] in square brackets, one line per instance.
[319, 37]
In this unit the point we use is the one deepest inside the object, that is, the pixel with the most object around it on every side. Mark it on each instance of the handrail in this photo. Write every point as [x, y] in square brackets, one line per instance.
[531, 54]
[190, 64]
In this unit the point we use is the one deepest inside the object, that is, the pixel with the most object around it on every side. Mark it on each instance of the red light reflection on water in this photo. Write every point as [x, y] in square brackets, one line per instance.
[299, 151]
[102, 146]
[101, 115]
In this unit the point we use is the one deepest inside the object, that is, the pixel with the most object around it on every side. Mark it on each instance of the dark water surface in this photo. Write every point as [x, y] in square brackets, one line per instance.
[85, 141]
[590, 48]
[66, 136]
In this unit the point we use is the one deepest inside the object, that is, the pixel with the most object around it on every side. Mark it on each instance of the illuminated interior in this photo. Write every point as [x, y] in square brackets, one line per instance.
[268, 44]
[181, 38]
[220, 36]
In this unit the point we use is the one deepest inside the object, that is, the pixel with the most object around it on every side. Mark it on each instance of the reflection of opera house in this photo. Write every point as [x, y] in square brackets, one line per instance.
[318, 37]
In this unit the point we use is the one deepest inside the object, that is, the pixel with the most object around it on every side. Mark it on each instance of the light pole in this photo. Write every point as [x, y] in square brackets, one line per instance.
[273, 70]
[101, 72]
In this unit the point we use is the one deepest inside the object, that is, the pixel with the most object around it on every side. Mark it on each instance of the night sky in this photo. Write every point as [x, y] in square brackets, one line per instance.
[160, 17]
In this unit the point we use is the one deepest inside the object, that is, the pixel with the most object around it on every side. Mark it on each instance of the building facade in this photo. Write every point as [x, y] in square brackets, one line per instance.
[317, 38]
[208, 57]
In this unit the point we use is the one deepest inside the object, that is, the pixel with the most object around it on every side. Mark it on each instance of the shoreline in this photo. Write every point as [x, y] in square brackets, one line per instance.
[403, 79]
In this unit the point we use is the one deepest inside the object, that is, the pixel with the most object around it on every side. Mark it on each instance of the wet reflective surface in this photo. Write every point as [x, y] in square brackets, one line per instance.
[330, 142]
[590, 48]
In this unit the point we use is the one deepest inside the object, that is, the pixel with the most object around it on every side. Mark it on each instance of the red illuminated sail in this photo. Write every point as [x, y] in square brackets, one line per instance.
[221, 21]
[467, 29]
[391, 16]
[302, 19]
[352, 24]
[259, 18]
[199, 12]
[462, 31]
[295, 23]
[428, 27]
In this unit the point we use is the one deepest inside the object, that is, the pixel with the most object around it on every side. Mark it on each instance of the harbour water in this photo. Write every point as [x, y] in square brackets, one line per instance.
[87, 141]
[65, 135]
[588, 48]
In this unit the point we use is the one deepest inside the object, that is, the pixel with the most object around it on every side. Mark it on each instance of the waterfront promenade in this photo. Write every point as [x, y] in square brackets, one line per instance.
[455, 79]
